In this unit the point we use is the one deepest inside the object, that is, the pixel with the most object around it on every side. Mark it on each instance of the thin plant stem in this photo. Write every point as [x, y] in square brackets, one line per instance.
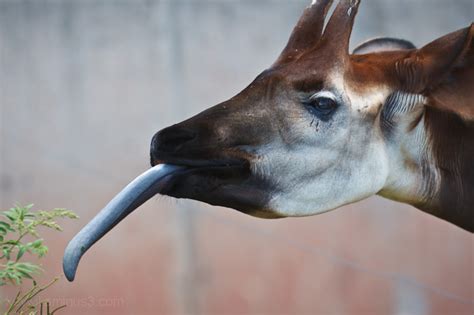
[12, 305]
[57, 309]
[33, 294]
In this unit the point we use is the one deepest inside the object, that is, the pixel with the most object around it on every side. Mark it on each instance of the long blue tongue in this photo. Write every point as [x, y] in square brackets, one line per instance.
[131, 197]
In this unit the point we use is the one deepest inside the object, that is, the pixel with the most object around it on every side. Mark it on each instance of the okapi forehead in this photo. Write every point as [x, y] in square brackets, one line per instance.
[362, 99]
[363, 87]
[374, 69]
[361, 72]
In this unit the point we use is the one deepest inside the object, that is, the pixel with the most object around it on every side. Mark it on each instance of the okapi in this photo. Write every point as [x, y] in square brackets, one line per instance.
[322, 128]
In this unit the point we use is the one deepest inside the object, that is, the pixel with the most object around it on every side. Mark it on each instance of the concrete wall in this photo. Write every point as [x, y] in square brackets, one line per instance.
[83, 87]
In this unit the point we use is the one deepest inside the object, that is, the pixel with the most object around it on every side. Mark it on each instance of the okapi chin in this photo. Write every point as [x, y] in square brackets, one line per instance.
[322, 128]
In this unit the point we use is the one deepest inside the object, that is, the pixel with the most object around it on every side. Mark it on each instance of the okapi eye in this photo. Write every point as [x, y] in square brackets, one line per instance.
[322, 104]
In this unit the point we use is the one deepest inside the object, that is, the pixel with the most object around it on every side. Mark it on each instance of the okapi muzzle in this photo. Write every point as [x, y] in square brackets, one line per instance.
[322, 128]
[215, 148]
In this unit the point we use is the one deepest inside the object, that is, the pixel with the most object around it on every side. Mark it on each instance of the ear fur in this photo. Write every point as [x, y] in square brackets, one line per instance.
[444, 71]
[382, 44]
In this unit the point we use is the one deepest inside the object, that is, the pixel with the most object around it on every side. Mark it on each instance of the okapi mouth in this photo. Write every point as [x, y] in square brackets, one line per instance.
[191, 164]
[216, 167]
[211, 181]
[215, 171]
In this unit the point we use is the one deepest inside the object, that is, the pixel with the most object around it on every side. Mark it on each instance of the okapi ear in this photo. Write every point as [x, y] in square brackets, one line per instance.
[307, 31]
[444, 71]
[335, 40]
[382, 44]
[427, 67]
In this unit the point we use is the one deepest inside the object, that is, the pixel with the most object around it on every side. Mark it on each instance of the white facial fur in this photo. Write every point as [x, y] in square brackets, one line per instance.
[321, 165]
[413, 176]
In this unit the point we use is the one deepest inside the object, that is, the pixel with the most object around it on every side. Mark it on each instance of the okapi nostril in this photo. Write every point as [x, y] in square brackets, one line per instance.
[171, 139]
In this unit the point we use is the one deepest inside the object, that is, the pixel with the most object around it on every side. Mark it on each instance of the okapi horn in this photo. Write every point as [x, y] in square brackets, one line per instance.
[338, 31]
[307, 31]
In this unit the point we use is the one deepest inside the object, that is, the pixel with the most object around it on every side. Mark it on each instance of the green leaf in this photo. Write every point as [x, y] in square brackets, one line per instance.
[11, 216]
[15, 277]
[6, 253]
[40, 251]
[37, 243]
[25, 274]
[23, 222]
[6, 226]
[21, 251]
[32, 231]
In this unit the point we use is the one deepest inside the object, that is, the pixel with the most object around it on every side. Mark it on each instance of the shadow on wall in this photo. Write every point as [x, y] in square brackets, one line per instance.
[83, 87]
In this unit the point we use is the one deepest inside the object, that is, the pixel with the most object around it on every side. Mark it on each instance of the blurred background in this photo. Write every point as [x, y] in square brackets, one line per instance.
[83, 87]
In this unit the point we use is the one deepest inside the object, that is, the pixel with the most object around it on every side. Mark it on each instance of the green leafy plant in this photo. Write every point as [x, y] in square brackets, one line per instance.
[19, 236]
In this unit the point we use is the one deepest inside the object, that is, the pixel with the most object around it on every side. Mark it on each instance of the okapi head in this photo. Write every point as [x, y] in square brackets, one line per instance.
[322, 128]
